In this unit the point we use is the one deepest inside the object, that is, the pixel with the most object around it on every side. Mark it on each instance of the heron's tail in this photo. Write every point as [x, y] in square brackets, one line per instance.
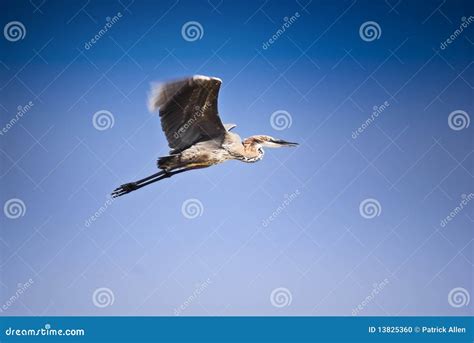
[169, 162]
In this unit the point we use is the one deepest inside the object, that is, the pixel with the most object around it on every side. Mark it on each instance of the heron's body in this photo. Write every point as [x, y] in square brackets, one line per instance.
[215, 151]
[195, 133]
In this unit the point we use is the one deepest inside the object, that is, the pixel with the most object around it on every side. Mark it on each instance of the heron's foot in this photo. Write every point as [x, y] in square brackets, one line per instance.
[124, 189]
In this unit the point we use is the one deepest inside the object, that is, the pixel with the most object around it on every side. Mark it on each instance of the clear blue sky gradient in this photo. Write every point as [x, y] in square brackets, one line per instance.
[319, 247]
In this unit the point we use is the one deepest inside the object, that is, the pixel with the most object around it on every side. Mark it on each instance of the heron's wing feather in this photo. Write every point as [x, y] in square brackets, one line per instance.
[229, 127]
[188, 111]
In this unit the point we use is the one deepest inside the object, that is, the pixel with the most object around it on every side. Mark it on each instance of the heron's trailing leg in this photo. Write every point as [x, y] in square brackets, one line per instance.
[132, 186]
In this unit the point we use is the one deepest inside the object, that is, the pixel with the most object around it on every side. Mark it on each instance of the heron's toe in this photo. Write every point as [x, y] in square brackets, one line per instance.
[124, 189]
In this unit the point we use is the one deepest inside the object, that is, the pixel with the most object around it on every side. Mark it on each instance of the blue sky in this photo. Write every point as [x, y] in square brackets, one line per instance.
[318, 250]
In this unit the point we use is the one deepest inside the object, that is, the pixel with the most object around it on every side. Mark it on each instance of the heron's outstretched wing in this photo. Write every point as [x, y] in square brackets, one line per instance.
[188, 111]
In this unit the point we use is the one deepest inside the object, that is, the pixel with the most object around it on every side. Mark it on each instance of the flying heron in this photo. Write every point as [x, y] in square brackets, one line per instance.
[196, 136]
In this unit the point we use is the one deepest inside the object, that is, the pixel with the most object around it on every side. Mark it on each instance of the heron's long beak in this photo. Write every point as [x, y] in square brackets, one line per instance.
[283, 143]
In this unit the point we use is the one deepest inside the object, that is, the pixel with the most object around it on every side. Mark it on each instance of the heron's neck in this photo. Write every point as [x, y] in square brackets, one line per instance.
[251, 152]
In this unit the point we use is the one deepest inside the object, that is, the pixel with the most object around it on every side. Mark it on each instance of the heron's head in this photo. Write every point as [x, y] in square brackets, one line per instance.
[261, 141]
[254, 146]
[269, 142]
